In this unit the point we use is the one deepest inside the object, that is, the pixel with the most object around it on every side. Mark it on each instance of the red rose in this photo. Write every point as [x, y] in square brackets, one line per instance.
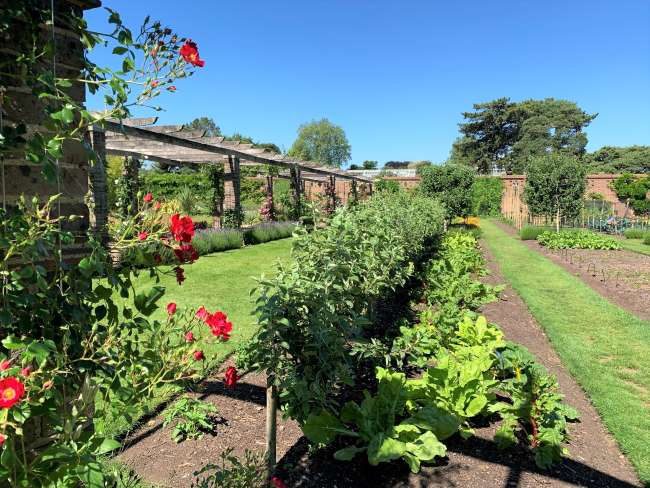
[202, 314]
[26, 371]
[142, 236]
[186, 253]
[189, 337]
[5, 364]
[190, 53]
[182, 228]
[198, 355]
[171, 308]
[219, 325]
[11, 391]
[180, 274]
[231, 378]
[148, 198]
[277, 482]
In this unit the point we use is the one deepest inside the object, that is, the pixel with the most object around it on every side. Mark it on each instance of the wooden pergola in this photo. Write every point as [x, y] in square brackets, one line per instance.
[140, 139]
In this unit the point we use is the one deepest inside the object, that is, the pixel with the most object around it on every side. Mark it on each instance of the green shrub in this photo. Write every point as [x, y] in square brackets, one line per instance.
[313, 308]
[646, 239]
[168, 186]
[530, 232]
[577, 239]
[390, 186]
[635, 233]
[630, 188]
[188, 200]
[486, 196]
[268, 231]
[451, 184]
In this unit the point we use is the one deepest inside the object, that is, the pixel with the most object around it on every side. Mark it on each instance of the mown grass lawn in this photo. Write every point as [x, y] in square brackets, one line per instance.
[220, 281]
[635, 245]
[604, 347]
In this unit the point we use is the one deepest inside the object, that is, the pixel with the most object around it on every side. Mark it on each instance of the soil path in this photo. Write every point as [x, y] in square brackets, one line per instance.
[622, 276]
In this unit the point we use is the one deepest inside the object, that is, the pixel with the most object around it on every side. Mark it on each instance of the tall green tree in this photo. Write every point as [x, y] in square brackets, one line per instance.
[369, 164]
[321, 141]
[505, 134]
[204, 123]
[451, 184]
[611, 159]
[555, 186]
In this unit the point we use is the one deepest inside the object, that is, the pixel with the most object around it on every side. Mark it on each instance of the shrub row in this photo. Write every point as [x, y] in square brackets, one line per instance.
[268, 231]
[486, 196]
[577, 239]
[314, 308]
[636, 233]
[469, 363]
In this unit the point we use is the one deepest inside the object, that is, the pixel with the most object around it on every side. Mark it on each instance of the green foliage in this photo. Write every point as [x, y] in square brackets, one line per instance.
[646, 239]
[321, 141]
[252, 191]
[187, 200]
[634, 190]
[486, 196]
[635, 233]
[233, 218]
[611, 159]
[506, 134]
[531, 232]
[369, 164]
[451, 184]
[577, 239]
[311, 310]
[169, 186]
[191, 418]
[555, 185]
[269, 231]
[233, 472]
[386, 185]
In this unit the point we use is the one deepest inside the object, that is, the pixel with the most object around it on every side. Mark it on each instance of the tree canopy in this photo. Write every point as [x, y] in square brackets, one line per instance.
[206, 123]
[611, 159]
[505, 134]
[555, 186]
[321, 141]
[451, 184]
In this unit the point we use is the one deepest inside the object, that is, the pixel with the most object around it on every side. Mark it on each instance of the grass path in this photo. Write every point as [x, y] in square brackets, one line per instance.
[605, 348]
[635, 245]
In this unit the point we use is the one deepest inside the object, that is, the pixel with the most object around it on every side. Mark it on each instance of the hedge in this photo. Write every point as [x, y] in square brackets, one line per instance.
[486, 196]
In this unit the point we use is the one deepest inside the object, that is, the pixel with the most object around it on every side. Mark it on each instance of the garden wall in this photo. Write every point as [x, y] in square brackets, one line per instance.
[513, 207]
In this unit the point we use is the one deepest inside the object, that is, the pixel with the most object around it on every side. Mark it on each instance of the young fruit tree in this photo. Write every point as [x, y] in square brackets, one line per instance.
[452, 185]
[555, 186]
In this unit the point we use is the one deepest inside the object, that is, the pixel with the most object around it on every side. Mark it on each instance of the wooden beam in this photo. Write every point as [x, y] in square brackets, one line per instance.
[171, 140]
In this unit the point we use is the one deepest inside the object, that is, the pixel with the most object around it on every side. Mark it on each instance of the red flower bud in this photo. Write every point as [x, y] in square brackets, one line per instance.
[198, 355]
[2, 439]
[171, 308]
[26, 371]
[5, 364]
[189, 337]
[48, 384]
[171, 88]
[202, 314]
[142, 236]
[148, 198]
[230, 378]
[277, 482]
[156, 205]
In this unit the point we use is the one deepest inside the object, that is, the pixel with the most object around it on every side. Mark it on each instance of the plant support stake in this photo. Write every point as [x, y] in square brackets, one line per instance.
[271, 423]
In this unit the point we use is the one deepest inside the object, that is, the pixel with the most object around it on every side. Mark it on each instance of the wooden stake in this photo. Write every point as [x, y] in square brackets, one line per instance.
[271, 424]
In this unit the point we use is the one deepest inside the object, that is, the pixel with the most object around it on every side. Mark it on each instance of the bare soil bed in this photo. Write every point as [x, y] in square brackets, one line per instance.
[622, 276]
[594, 461]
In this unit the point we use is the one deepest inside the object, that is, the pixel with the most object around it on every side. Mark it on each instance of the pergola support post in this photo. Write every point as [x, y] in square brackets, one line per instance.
[270, 204]
[97, 197]
[131, 176]
[296, 185]
[232, 192]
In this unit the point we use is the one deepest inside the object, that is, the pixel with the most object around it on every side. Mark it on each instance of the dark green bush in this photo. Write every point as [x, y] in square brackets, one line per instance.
[646, 239]
[451, 184]
[168, 186]
[530, 232]
[486, 196]
[630, 188]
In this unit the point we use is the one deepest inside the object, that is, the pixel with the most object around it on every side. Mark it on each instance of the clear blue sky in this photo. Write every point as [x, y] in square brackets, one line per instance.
[396, 75]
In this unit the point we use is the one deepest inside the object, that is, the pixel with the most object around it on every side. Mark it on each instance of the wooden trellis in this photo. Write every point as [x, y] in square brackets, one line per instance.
[170, 144]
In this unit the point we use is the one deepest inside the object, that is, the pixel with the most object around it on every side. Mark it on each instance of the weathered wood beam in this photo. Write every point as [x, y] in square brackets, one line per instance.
[221, 149]
[138, 121]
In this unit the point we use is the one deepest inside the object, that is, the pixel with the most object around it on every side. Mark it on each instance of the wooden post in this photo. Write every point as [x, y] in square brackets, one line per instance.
[271, 423]
[97, 185]
[297, 189]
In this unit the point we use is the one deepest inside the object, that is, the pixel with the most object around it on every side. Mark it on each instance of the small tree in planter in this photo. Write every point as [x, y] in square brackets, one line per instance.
[555, 186]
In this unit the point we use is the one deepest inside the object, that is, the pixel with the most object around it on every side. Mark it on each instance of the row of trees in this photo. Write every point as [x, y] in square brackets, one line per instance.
[505, 135]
